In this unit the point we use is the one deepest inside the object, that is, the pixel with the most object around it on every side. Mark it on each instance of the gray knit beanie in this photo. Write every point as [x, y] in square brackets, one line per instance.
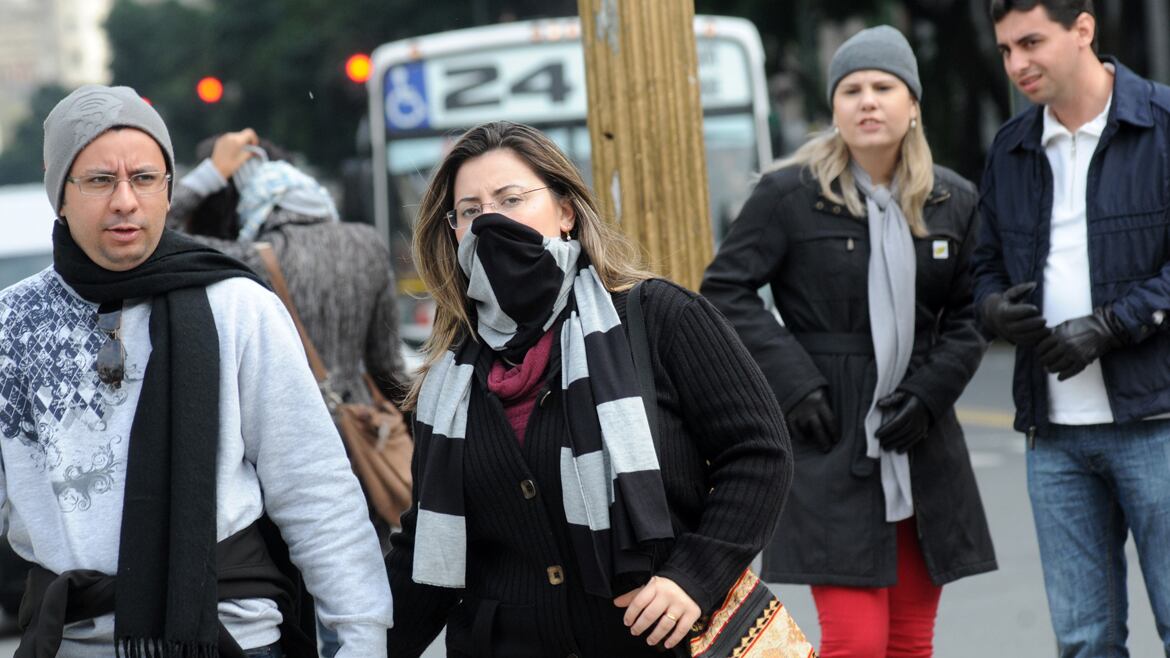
[85, 114]
[881, 48]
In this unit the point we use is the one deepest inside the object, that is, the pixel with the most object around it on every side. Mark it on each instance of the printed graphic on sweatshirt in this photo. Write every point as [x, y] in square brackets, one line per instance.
[84, 481]
[49, 387]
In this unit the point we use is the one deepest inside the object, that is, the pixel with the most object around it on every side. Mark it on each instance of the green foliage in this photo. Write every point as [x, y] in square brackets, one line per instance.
[23, 158]
[965, 91]
[281, 61]
[960, 72]
[161, 51]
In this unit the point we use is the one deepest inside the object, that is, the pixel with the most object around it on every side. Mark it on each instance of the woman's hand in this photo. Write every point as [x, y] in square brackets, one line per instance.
[229, 151]
[660, 603]
[907, 421]
[813, 420]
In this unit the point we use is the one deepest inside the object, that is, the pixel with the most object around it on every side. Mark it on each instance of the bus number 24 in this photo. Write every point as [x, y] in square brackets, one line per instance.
[473, 86]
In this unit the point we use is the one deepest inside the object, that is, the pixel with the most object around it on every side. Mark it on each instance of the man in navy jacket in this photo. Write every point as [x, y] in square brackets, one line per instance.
[1073, 267]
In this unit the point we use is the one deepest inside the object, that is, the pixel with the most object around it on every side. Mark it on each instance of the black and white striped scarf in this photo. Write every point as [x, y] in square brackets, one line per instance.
[522, 283]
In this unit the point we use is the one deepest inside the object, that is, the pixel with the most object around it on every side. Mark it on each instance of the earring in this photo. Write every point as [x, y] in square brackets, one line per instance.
[565, 236]
[835, 130]
[913, 123]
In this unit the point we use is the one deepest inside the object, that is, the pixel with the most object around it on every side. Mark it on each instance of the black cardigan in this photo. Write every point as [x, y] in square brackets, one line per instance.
[726, 466]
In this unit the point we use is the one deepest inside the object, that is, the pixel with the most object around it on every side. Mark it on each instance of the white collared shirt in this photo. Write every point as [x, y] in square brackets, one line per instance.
[1082, 399]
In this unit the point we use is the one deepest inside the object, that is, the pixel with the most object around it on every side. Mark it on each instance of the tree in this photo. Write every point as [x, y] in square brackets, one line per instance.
[281, 61]
[23, 160]
[161, 50]
[966, 95]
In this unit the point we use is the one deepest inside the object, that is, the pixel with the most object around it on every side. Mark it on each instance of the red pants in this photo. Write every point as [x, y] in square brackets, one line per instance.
[872, 622]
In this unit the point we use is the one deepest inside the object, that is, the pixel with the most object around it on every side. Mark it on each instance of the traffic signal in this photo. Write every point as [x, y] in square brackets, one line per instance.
[357, 68]
[209, 89]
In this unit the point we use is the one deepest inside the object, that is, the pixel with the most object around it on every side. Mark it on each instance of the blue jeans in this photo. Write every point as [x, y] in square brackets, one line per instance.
[328, 640]
[270, 651]
[1090, 486]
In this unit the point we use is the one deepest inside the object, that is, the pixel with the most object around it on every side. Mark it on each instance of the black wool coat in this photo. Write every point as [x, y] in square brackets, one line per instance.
[815, 255]
[725, 462]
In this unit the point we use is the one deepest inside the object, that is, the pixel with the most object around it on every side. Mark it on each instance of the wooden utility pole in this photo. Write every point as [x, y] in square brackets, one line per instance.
[645, 125]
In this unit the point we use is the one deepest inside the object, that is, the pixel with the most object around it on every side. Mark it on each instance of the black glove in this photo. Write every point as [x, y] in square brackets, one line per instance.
[907, 421]
[812, 419]
[1009, 317]
[1076, 343]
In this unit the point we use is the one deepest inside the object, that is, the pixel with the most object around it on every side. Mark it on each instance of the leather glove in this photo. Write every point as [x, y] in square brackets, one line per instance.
[907, 421]
[1009, 317]
[812, 419]
[1076, 343]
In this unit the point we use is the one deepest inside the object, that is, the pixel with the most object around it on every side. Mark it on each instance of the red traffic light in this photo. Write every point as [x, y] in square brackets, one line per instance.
[209, 89]
[357, 67]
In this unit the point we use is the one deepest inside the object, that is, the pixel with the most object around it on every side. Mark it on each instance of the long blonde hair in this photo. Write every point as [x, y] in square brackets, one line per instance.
[617, 260]
[826, 156]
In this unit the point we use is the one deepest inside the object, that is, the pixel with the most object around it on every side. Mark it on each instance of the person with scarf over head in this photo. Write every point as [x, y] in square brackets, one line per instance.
[866, 245]
[339, 274]
[549, 519]
[153, 424]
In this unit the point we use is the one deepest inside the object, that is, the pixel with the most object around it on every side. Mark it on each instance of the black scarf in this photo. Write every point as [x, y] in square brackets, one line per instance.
[165, 604]
[519, 281]
[615, 504]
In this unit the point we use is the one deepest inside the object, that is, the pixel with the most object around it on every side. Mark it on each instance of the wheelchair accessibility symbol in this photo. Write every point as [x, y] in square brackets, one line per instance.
[406, 99]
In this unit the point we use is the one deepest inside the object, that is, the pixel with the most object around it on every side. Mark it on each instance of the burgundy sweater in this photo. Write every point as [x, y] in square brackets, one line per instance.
[517, 386]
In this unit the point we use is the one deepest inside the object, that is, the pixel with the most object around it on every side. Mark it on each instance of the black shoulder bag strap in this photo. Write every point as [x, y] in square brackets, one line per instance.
[640, 348]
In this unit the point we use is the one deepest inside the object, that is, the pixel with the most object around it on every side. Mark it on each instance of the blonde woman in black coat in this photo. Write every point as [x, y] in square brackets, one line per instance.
[865, 244]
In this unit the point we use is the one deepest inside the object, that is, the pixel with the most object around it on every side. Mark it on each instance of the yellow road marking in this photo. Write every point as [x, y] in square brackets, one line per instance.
[985, 418]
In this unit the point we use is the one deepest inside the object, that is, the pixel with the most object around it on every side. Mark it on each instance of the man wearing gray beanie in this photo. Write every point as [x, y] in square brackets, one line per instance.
[160, 425]
[83, 116]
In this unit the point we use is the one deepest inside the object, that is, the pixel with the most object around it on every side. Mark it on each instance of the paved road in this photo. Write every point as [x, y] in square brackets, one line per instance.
[999, 614]
[1003, 613]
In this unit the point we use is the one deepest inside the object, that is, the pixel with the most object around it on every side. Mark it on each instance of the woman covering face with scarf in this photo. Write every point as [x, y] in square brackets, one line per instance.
[549, 518]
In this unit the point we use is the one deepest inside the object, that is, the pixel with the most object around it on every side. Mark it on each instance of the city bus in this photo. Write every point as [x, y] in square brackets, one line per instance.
[425, 91]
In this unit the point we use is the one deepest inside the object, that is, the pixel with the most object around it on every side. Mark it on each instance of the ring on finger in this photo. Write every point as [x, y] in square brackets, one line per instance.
[671, 617]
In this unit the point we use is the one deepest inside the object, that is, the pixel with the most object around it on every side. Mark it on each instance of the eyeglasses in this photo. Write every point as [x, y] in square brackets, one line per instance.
[465, 214]
[111, 358]
[146, 182]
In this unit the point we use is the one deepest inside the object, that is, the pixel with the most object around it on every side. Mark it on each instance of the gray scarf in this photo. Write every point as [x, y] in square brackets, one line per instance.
[892, 274]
